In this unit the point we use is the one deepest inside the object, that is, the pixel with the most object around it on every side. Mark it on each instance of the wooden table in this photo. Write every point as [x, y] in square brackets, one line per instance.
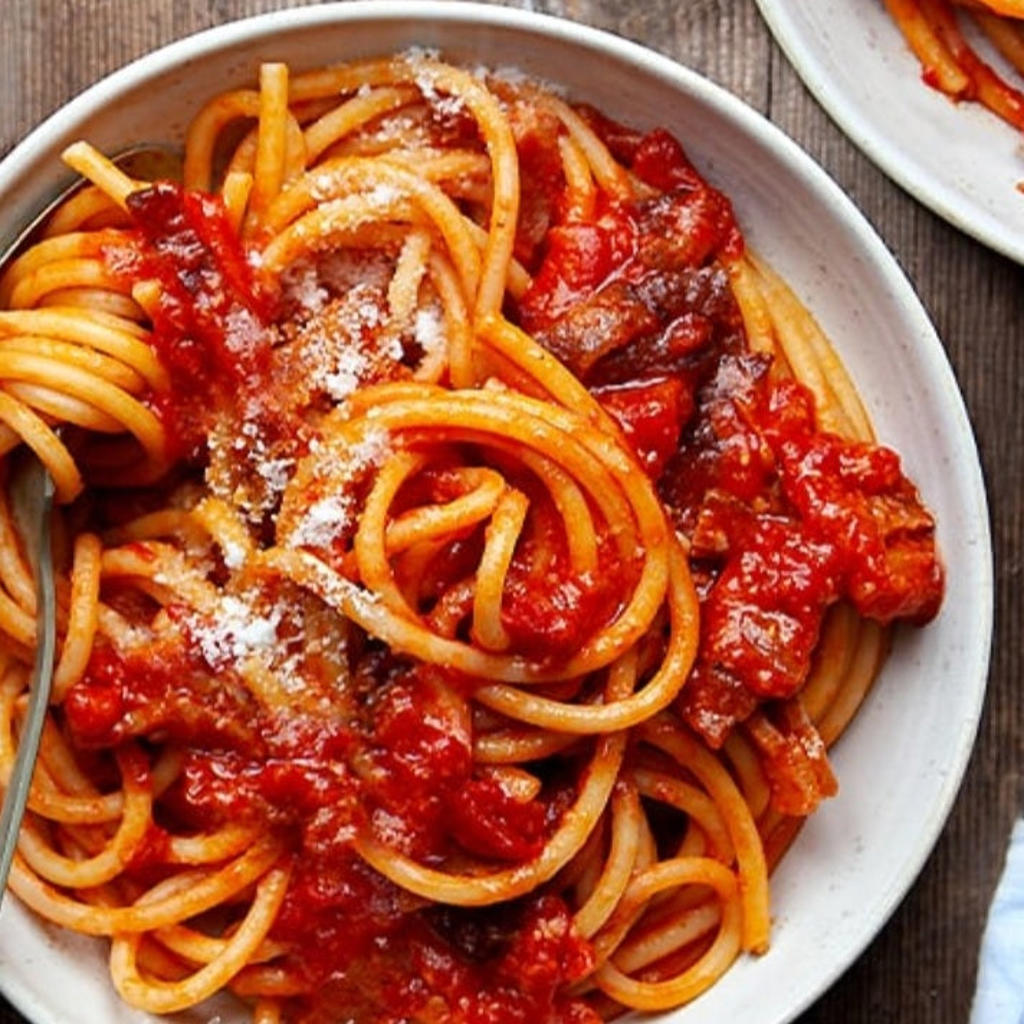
[922, 967]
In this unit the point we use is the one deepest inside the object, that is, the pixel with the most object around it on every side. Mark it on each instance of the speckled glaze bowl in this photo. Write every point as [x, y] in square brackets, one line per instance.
[959, 159]
[901, 761]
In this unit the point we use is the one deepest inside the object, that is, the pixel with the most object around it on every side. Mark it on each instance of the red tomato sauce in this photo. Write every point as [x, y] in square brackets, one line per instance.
[292, 773]
[505, 966]
[783, 519]
[551, 614]
[210, 324]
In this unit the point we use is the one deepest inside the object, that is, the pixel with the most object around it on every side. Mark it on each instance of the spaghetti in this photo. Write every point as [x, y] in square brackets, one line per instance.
[469, 552]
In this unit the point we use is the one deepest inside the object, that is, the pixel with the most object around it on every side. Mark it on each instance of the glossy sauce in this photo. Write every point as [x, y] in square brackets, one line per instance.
[210, 329]
[784, 520]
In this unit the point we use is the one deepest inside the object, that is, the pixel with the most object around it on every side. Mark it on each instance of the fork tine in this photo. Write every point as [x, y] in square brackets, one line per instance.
[146, 161]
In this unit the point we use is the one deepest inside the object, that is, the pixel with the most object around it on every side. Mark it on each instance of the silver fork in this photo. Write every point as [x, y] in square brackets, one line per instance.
[146, 161]
[32, 495]
[32, 490]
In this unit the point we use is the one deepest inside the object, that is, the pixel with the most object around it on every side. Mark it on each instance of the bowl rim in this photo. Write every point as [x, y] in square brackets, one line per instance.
[207, 42]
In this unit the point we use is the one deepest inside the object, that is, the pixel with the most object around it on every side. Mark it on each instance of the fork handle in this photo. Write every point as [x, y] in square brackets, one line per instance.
[16, 795]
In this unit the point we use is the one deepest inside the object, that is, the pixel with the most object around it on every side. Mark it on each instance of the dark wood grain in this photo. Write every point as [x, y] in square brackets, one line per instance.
[922, 967]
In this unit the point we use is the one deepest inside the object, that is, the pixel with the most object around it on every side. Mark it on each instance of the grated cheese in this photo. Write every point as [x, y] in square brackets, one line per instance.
[344, 380]
[330, 516]
[233, 555]
[383, 195]
[243, 331]
[428, 329]
[234, 632]
[302, 285]
[323, 522]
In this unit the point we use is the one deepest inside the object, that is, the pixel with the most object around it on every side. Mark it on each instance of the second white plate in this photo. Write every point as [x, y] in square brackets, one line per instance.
[958, 159]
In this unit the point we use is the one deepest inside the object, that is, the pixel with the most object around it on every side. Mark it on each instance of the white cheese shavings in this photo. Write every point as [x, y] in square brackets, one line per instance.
[442, 103]
[415, 54]
[344, 380]
[331, 515]
[337, 592]
[339, 344]
[322, 187]
[243, 331]
[370, 451]
[233, 555]
[234, 632]
[301, 284]
[323, 522]
[389, 827]
[511, 75]
[276, 472]
[344, 270]
[394, 349]
[428, 329]
[383, 195]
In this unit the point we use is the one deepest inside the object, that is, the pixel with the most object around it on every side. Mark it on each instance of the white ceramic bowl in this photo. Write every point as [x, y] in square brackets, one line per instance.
[901, 762]
[958, 159]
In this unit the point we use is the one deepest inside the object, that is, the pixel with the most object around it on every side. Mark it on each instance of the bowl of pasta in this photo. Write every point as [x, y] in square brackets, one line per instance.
[522, 553]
